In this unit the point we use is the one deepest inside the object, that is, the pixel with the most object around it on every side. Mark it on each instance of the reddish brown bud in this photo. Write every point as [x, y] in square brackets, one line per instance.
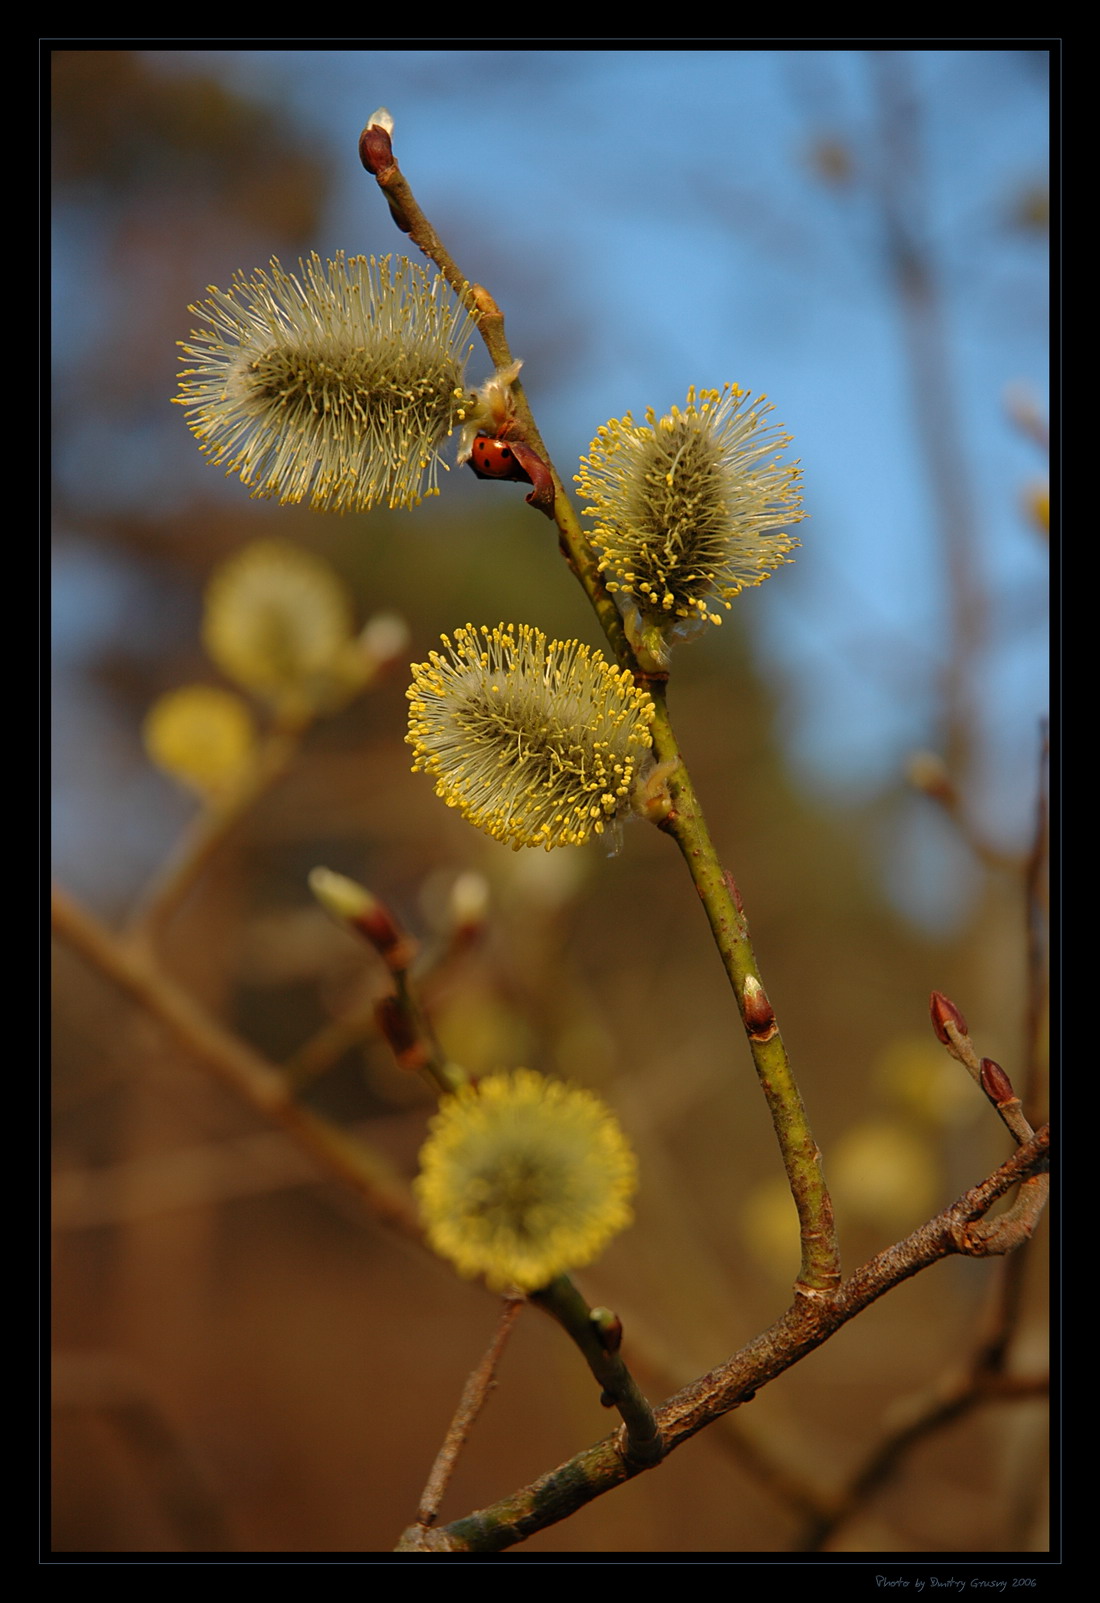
[943, 1012]
[400, 1032]
[996, 1083]
[757, 1011]
[387, 937]
[376, 149]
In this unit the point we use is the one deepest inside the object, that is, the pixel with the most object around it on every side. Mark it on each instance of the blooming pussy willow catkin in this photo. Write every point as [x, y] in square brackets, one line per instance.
[339, 386]
[690, 508]
[538, 742]
[523, 1179]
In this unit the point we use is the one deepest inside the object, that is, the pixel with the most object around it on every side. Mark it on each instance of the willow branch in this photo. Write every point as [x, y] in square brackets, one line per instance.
[981, 1379]
[807, 1324]
[597, 1333]
[820, 1266]
[130, 966]
[200, 843]
[475, 1395]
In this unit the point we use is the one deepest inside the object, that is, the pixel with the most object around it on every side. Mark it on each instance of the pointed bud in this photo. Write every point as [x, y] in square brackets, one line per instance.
[375, 147]
[757, 1011]
[346, 900]
[609, 1329]
[996, 1083]
[351, 904]
[469, 907]
[943, 1012]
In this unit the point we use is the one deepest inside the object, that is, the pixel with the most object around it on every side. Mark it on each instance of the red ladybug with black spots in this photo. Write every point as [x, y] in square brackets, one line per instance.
[494, 459]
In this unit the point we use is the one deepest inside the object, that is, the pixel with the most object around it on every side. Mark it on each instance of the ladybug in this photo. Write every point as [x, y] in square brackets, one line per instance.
[494, 459]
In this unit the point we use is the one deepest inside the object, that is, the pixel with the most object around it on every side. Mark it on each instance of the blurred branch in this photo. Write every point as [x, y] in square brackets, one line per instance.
[398, 1015]
[102, 1383]
[981, 1380]
[902, 198]
[212, 827]
[131, 967]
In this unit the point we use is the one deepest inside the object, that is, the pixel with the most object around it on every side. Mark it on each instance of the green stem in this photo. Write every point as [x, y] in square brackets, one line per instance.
[721, 901]
[563, 1302]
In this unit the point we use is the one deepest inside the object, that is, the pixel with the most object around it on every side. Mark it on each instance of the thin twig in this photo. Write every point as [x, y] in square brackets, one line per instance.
[475, 1395]
[982, 1379]
[944, 1406]
[131, 966]
[201, 842]
[398, 1015]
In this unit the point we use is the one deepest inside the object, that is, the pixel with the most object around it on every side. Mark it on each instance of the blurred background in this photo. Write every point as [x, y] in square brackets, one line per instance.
[245, 1359]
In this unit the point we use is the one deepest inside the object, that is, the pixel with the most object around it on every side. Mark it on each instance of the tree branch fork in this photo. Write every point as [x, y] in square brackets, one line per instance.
[813, 1317]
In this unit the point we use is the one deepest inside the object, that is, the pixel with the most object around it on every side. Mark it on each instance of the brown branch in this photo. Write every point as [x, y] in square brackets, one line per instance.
[811, 1320]
[943, 1407]
[982, 1379]
[475, 1395]
[204, 838]
[133, 969]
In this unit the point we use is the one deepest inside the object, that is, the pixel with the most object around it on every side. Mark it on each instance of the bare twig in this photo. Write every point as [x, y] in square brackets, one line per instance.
[132, 967]
[398, 1015]
[474, 1397]
[200, 843]
[981, 1380]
